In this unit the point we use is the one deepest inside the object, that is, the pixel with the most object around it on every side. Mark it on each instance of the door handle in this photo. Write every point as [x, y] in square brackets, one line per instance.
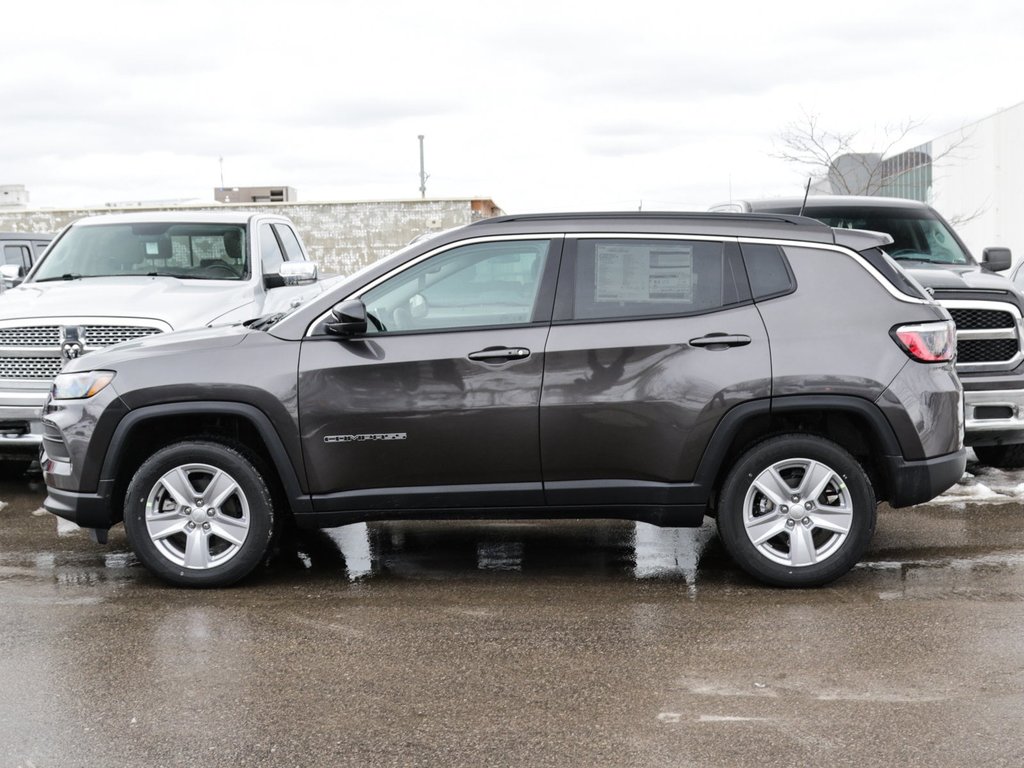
[500, 354]
[716, 341]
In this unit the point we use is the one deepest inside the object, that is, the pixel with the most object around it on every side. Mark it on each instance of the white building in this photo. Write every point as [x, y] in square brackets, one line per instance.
[980, 183]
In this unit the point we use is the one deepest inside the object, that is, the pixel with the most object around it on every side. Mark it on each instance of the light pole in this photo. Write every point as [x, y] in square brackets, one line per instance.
[423, 173]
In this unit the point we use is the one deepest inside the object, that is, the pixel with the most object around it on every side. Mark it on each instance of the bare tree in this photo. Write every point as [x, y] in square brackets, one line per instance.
[831, 155]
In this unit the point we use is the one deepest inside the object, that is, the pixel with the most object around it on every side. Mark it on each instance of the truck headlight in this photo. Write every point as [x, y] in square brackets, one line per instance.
[75, 386]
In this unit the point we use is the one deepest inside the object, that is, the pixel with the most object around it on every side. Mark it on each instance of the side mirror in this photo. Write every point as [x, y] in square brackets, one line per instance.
[996, 259]
[298, 272]
[291, 273]
[349, 318]
[12, 273]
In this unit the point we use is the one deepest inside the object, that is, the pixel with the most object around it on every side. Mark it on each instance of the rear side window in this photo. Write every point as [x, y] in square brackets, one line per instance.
[17, 255]
[292, 249]
[620, 278]
[768, 271]
[270, 251]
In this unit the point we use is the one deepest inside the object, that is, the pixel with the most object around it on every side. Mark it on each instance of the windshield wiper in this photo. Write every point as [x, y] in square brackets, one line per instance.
[259, 323]
[923, 259]
[65, 276]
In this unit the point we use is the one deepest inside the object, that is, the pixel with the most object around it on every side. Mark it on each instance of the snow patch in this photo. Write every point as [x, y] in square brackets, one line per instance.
[985, 486]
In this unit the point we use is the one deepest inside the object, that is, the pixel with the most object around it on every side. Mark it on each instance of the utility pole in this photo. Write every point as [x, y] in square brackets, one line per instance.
[423, 174]
[221, 172]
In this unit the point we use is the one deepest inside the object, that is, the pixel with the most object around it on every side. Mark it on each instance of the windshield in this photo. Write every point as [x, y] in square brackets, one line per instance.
[917, 235]
[190, 251]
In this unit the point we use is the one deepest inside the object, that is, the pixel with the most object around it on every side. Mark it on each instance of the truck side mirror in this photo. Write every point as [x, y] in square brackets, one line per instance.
[12, 273]
[292, 273]
[349, 318]
[996, 259]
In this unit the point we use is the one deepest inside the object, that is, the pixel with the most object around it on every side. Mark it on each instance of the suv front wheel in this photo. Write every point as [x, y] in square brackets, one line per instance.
[198, 514]
[797, 511]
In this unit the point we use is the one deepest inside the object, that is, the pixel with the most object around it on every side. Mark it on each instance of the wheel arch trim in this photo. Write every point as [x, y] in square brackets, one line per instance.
[260, 421]
[722, 439]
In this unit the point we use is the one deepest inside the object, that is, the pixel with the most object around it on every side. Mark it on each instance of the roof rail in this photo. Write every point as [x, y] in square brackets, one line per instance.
[802, 221]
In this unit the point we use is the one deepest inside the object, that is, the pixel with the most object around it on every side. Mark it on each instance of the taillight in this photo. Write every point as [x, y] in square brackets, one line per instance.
[928, 342]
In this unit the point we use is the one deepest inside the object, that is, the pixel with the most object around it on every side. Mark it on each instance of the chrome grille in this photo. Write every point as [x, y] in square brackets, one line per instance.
[976, 319]
[32, 352]
[49, 335]
[105, 335]
[985, 350]
[987, 334]
[29, 367]
[30, 336]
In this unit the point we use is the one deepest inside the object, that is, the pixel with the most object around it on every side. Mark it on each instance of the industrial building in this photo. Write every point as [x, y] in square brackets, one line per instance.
[974, 176]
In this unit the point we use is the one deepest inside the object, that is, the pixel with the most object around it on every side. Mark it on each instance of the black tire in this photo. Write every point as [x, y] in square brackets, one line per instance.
[18, 468]
[805, 547]
[212, 548]
[1001, 456]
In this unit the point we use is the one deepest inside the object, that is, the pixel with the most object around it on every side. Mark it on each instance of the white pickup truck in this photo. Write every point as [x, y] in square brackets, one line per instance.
[107, 279]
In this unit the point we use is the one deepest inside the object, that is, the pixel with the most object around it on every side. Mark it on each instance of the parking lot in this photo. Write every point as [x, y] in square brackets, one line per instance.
[493, 644]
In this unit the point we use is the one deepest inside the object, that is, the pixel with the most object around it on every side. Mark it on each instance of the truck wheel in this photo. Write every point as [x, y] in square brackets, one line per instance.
[198, 514]
[796, 511]
[1001, 456]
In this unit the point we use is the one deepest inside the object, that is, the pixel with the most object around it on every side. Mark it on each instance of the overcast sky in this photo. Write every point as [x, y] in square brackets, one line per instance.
[538, 105]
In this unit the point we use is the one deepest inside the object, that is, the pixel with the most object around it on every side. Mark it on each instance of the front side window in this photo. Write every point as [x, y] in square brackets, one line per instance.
[618, 278]
[189, 251]
[482, 284]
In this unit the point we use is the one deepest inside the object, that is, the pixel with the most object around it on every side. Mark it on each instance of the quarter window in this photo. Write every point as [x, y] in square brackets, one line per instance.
[483, 284]
[616, 278]
[766, 267]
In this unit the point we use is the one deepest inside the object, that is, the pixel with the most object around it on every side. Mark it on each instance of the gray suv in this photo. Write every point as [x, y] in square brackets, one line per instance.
[768, 370]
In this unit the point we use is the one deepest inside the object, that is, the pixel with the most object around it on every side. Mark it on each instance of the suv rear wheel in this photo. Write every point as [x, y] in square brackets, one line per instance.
[198, 514]
[797, 511]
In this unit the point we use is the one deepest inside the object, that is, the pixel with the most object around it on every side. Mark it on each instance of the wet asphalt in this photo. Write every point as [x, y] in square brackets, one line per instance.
[570, 643]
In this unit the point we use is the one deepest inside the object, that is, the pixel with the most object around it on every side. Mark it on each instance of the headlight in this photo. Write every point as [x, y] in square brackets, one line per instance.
[74, 386]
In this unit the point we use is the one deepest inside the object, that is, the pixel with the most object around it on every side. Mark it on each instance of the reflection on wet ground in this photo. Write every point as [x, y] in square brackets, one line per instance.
[548, 643]
[946, 546]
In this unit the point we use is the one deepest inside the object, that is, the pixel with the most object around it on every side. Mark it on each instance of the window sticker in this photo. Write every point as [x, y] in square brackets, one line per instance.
[647, 272]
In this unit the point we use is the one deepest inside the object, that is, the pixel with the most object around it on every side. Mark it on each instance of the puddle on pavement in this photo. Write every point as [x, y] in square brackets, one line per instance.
[689, 557]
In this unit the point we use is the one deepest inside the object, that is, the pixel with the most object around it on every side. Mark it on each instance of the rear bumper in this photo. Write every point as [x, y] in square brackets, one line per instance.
[915, 482]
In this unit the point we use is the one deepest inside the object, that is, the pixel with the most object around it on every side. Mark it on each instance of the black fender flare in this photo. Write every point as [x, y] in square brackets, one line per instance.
[272, 440]
[742, 415]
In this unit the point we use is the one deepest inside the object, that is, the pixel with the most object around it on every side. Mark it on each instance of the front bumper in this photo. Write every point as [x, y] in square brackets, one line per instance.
[21, 426]
[88, 510]
[994, 416]
[915, 482]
